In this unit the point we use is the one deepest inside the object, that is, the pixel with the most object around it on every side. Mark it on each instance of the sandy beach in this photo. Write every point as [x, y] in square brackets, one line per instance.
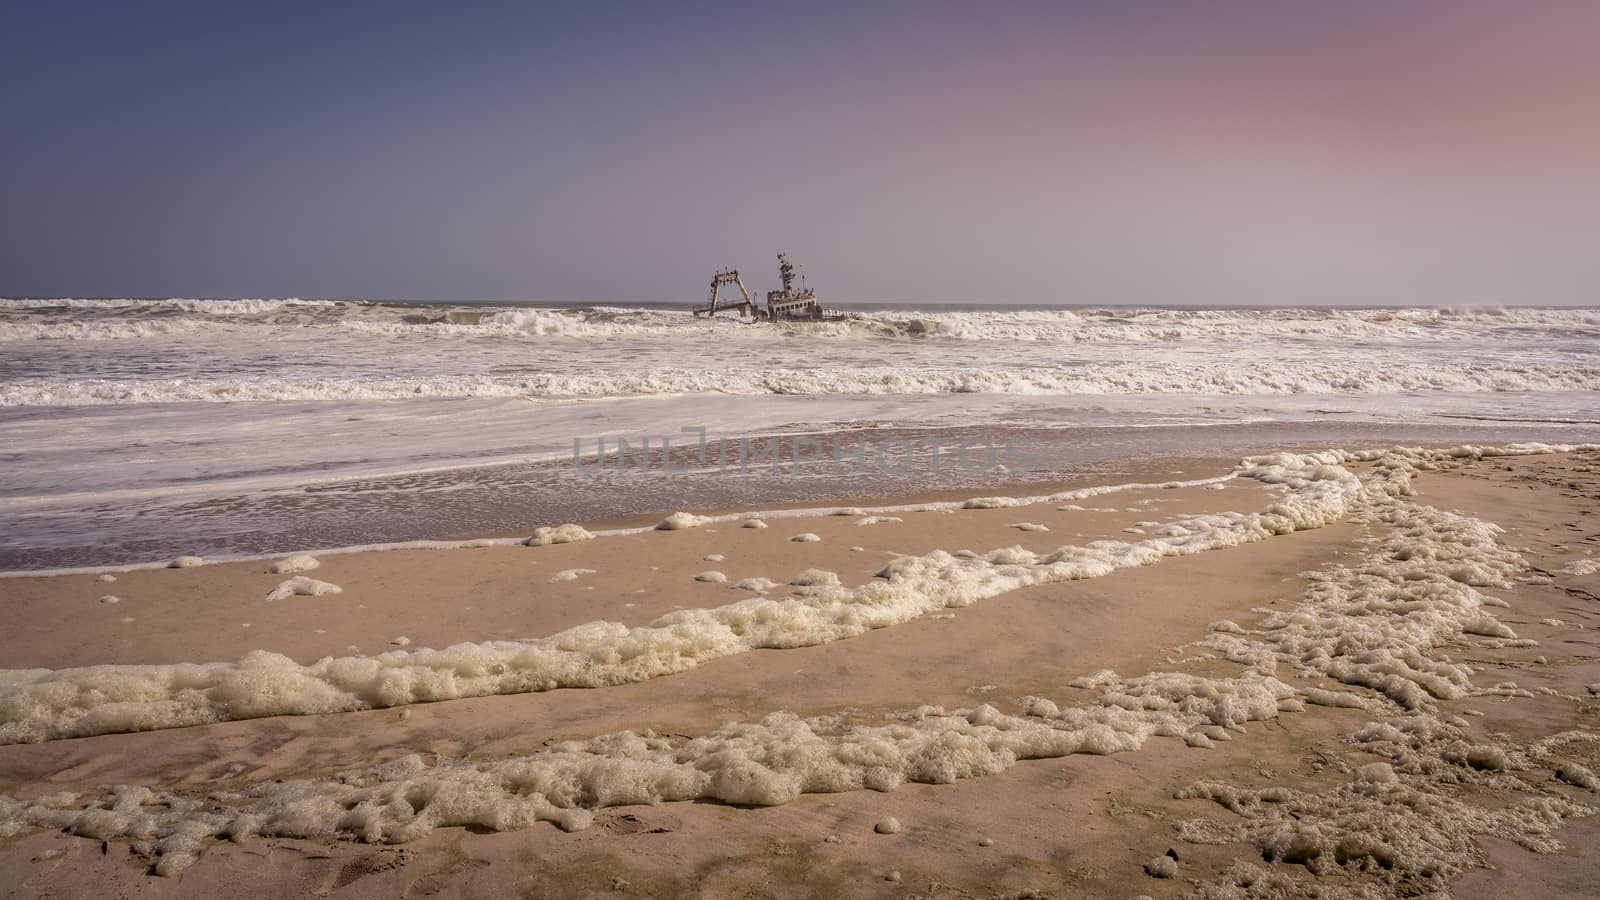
[1035, 730]
[735, 451]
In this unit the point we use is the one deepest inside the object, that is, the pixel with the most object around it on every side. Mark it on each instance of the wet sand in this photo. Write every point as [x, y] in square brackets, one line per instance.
[1074, 826]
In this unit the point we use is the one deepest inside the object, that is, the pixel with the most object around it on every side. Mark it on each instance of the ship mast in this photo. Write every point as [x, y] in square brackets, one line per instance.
[786, 272]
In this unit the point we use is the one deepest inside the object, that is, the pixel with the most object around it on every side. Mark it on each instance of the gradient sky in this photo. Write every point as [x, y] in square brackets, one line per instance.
[1096, 152]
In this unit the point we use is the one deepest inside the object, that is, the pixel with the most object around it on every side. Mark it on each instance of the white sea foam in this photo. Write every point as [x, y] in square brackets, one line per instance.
[123, 306]
[570, 574]
[1106, 379]
[559, 323]
[1163, 866]
[37, 708]
[1003, 324]
[811, 578]
[96, 331]
[121, 320]
[1578, 775]
[766, 763]
[42, 705]
[301, 586]
[300, 562]
[758, 584]
[560, 534]
[681, 520]
[1399, 818]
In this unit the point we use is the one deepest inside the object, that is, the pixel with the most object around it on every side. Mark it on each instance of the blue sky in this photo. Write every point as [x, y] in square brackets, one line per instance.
[1133, 152]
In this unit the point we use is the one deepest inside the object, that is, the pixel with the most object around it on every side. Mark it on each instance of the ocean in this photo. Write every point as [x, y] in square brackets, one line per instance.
[133, 430]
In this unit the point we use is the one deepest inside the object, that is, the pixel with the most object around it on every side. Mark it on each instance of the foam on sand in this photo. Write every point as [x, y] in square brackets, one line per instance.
[1162, 867]
[301, 586]
[302, 562]
[806, 538]
[1382, 625]
[1581, 567]
[990, 502]
[570, 575]
[186, 562]
[712, 577]
[816, 578]
[765, 763]
[40, 705]
[1578, 775]
[1376, 626]
[1407, 821]
[1425, 578]
[681, 520]
[560, 534]
[758, 584]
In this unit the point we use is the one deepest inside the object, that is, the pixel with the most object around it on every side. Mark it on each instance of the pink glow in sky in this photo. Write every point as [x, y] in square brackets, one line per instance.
[1288, 153]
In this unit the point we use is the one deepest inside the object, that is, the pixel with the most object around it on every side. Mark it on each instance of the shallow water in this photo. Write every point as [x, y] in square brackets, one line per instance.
[133, 430]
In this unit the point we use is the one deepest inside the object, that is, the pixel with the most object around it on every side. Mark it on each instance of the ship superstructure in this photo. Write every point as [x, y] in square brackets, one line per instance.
[789, 303]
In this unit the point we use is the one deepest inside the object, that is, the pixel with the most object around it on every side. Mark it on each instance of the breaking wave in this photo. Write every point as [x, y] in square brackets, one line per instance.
[197, 350]
[1068, 326]
[1120, 379]
[96, 331]
[44, 319]
[245, 307]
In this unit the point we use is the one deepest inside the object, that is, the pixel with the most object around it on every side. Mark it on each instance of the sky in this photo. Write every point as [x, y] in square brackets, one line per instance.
[1278, 153]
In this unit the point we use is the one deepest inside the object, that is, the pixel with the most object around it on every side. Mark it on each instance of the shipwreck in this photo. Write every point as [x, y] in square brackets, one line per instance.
[786, 304]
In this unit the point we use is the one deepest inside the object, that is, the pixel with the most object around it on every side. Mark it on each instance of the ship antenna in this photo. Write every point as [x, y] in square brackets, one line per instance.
[785, 271]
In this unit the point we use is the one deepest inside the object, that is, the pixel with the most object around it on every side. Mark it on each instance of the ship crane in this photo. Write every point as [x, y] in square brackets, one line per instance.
[745, 306]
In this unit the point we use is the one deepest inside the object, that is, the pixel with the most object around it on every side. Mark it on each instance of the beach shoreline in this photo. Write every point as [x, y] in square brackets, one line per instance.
[1035, 640]
[502, 500]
